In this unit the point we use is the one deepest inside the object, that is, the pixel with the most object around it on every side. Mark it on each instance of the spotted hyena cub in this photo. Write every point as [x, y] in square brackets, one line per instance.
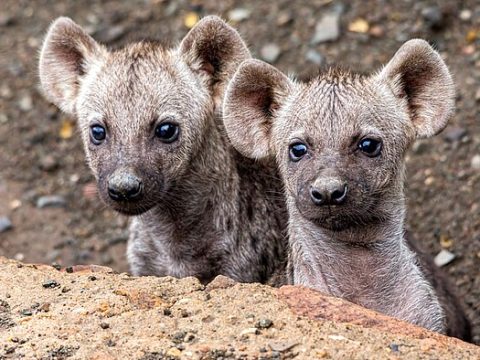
[150, 119]
[340, 141]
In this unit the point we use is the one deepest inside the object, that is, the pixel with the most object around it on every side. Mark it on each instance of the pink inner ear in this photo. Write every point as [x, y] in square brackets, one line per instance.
[208, 68]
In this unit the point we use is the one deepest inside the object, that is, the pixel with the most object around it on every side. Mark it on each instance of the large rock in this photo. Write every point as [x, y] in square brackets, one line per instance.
[90, 312]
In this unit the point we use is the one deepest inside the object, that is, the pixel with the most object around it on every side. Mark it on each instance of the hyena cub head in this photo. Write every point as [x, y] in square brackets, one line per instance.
[144, 111]
[340, 138]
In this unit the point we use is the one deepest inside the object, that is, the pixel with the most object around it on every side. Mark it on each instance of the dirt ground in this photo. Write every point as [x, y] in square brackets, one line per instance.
[40, 155]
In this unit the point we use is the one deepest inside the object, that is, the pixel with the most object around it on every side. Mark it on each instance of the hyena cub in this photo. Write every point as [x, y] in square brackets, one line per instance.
[150, 119]
[340, 141]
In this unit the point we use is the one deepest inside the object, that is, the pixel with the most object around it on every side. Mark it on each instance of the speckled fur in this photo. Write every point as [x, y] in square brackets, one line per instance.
[207, 210]
[356, 250]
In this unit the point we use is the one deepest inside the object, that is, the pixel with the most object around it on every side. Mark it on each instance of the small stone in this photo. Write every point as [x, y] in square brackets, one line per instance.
[394, 347]
[179, 337]
[433, 17]
[454, 133]
[314, 57]
[173, 353]
[92, 278]
[264, 324]
[429, 181]
[281, 346]
[359, 26]
[284, 18]
[19, 256]
[376, 31]
[3, 118]
[50, 284]
[239, 14]
[6, 19]
[27, 312]
[249, 331]
[443, 258]
[48, 163]
[45, 307]
[327, 29]
[5, 92]
[5, 224]
[25, 103]
[104, 325]
[465, 15]
[270, 52]
[474, 163]
[51, 201]
[190, 19]
[65, 290]
[15, 204]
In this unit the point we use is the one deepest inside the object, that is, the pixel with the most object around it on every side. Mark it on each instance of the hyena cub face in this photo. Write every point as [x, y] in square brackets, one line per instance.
[340, 138]
[143, 111]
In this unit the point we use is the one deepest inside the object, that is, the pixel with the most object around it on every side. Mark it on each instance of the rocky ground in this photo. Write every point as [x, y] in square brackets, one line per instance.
[49, 211]
[94, 314]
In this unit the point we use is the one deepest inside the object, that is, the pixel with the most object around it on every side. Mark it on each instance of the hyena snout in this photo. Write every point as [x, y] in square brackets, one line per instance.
[328, 191]
[124, 185]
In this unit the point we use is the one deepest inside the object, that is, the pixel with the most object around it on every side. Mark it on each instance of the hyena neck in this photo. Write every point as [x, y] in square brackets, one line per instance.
[369, 265]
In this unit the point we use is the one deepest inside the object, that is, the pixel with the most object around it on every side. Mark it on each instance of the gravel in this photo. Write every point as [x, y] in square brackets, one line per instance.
[51, 201]
[327, 29]
[5, 224]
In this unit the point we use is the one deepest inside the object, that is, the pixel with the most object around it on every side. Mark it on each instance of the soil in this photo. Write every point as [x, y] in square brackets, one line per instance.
[38, 157]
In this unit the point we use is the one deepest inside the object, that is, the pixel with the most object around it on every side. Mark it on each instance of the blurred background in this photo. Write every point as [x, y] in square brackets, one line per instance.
[49, 210]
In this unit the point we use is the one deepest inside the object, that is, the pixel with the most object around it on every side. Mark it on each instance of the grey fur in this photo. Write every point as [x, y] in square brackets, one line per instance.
[356, 250]
[205, 210]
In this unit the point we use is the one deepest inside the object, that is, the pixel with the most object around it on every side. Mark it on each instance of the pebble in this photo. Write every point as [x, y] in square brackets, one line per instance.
[454, 133]
[327, 29]
[3, 118]
[284, 18]
[314, 56]
[104, 325]
[6, 20]
[281, 346]
[239, 14]
[433, 17]
[5, 224]
[443, 258]
[474, 163]
[6, 92]
[25, 103]
[249, 331]
[465, 15]
[19, 256]
[48, 163]
[51, 201]
[264, 324]
[477, 95]
[270, 52]
[50, 284]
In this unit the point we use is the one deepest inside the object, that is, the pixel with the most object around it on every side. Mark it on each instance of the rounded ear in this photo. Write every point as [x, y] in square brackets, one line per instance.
[214, 48]
[67, 54]
[418, 75]
[253, 96]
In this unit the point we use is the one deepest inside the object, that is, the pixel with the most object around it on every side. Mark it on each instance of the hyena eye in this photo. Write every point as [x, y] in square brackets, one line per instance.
[297, 151]
[97, 134]
[370, 147]
[167, 132]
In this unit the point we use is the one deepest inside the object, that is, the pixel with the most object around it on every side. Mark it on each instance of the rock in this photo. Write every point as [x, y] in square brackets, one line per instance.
[5, 224]
[25, 103]
[474, 163]
[327, 29]
[376, 31]
[6, 19]
[443, 258]
[454, 133]
[51, 201]
[48, 163]
[270, 52]
[284, 18]
[359, 26]
[311, 325]
[5, 92]
[465, 15]
[433, 17]
[3, 118]
[314, 57]
[264, 324]
[50, 284]
[239, 14]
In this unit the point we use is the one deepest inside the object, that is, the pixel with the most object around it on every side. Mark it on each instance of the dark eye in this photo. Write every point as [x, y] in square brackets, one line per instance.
[297, 151]
[370, 147]
[97, 134]
[167, 132]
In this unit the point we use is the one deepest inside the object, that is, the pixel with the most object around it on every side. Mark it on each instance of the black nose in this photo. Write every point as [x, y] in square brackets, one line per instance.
[331, 194]
[124, 187]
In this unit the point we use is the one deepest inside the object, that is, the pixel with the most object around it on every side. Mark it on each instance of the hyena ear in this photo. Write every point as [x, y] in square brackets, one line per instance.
[67, 54]
[418, 75]
[252, 99]
[214, 48]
